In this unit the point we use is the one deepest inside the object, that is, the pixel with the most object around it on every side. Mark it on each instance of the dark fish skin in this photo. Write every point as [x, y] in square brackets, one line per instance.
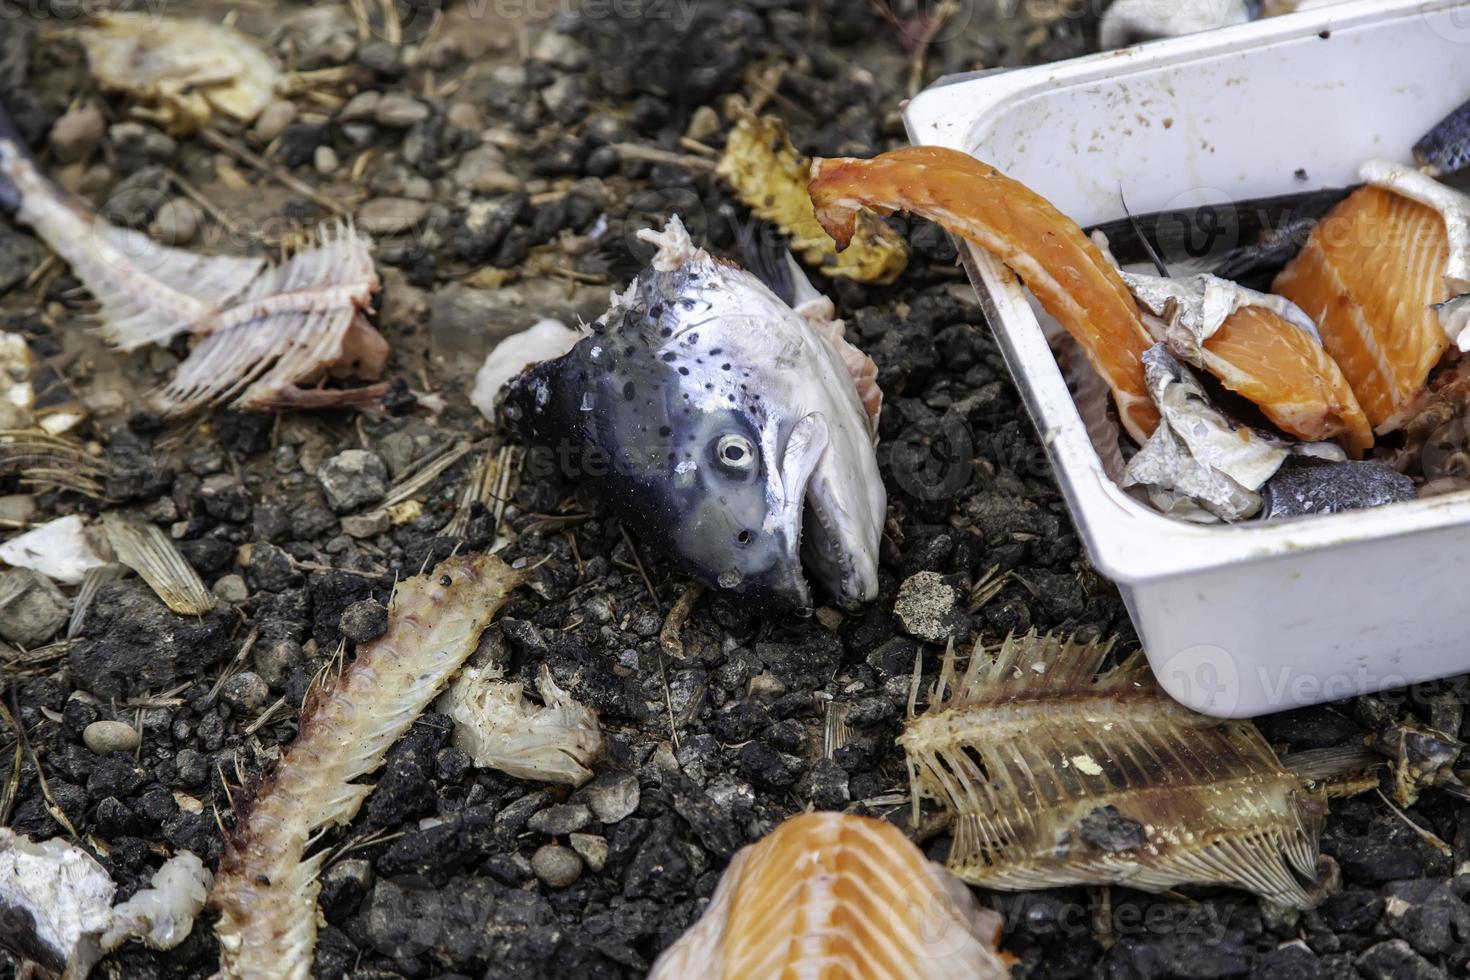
[1244, 241]
[1304, 486]
[1445, 149]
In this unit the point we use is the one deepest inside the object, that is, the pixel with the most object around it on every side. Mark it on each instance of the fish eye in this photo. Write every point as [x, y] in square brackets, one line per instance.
[743, 537]
[735, 452]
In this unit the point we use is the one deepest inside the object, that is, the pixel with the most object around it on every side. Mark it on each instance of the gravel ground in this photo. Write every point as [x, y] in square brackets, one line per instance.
[488, 173]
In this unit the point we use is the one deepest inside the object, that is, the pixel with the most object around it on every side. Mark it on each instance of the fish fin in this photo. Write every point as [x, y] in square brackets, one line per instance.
[546, 340]
[1058, 772]
[765, 254]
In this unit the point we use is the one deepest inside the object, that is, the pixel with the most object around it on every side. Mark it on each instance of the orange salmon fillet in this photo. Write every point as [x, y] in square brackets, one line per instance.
[837, 897]
[1061, 266]
[1368, 276]
[1296, 383]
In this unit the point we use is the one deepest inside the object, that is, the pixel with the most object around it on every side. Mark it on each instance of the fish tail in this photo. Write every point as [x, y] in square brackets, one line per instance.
[9, 193]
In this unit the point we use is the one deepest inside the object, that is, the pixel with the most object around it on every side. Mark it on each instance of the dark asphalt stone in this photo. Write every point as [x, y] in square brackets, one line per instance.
[467, 924]
[1290, 962]
[1429, 916]
[1379, 849]
[271, 568]
[765, 766]
[1395, 960]
[1182, 955]
[364, 620]
[344, 885]
[133, 643]
[711, 823]
[664, 867]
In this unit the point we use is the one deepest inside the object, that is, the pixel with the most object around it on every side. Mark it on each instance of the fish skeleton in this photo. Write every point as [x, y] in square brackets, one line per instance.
[723, 426]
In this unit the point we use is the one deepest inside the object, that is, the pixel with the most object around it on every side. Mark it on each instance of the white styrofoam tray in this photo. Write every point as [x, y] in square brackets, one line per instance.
[1249, 619]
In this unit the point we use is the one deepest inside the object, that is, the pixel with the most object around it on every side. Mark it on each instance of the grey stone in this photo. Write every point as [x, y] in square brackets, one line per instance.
[32, 608]
[231, 589]
[367, 525]
[352, 479]
[483, 170]
[20, 254]
[246, 691]
[556, 48]
[925, 606]
[556, 866]
[391, 215]
[398, 451]
[399, 111]
[325, 160]
[611, 796]
[273, 120]
[364, 620]
[274, 662]
[362, 107]
[592, 848]
[107, 737]
[1395, 960]
[78, 133]
[177, 222]
[560, 820]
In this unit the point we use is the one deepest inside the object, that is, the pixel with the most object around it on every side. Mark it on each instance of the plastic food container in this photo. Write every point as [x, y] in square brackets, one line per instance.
[1249, 619]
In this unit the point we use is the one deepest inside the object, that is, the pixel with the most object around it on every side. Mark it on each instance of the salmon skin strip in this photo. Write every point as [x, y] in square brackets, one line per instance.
[1295, 382]
[837, 897]
[1066, 272]
[1370, 275]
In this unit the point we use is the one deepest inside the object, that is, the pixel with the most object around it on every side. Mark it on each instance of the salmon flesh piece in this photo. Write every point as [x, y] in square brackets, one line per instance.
[1369, 276]
[829, 896]
[1298, 386]
[1067, 273]
[1254, 353]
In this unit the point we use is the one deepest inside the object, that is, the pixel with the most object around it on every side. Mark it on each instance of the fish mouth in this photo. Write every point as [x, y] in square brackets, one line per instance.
[785, 582]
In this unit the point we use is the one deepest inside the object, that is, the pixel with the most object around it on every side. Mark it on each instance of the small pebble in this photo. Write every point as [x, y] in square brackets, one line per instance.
[360, 108]
[108, 737]
[556, 866]
[364, 620]
[177, 222]
[246, 691]
[399, 111]
[273, 120]
[766, 685]
[325, 160]
[353, 478]
[390, 215]
[231, 589]
[592, 848]
[612, 796]
[560, 820]
[78, 133]
[925, 606]
[704, 124]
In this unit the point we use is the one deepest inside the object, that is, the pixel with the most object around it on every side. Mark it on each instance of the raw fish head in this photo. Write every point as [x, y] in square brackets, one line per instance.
[721, 427]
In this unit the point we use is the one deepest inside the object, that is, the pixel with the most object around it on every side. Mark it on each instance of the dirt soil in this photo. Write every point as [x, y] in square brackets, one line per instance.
[504, 193]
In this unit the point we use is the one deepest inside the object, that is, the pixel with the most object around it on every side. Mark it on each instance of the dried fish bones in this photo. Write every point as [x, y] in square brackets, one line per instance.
[1057, 774]
[266, 889]
[837, 896]
[266, 330]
